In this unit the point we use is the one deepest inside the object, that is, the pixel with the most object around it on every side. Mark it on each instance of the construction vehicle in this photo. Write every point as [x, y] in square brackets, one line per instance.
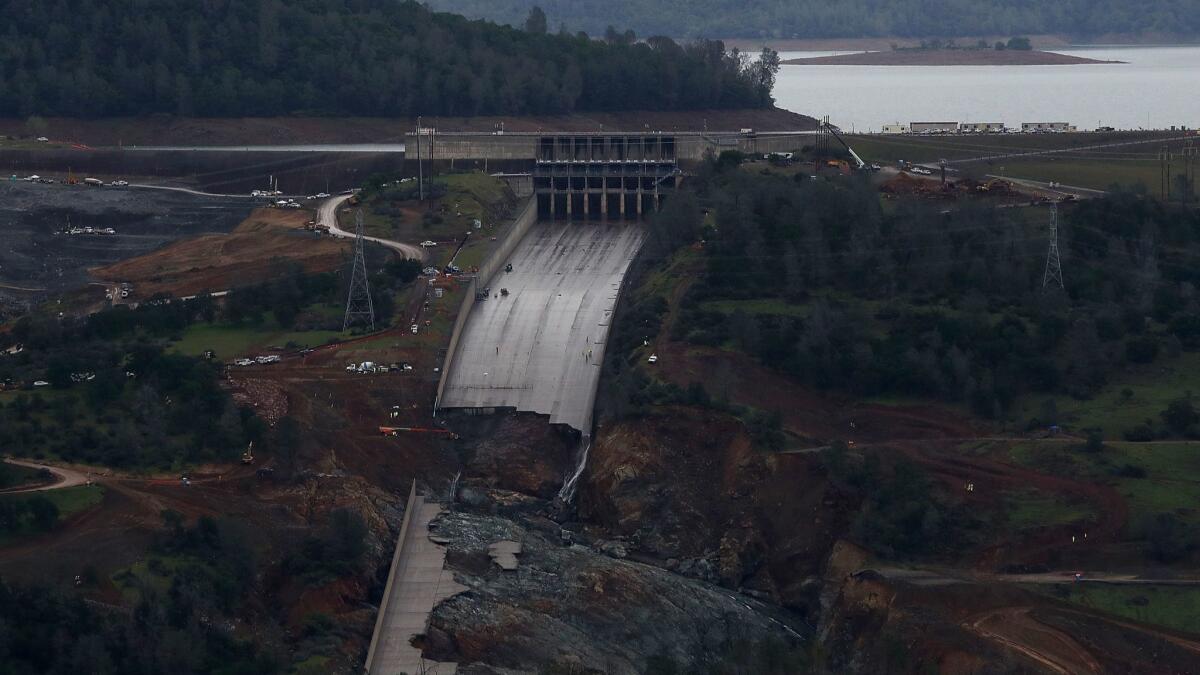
[248, 455]
[395, 431]
[859, 164]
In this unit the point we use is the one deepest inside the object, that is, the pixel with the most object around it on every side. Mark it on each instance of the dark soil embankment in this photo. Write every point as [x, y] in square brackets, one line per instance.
[33, 256]
[162, 130]
[232, 172]
[947, 57]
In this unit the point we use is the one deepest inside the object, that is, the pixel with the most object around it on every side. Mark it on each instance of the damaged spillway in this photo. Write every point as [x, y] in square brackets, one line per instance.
[536, 344]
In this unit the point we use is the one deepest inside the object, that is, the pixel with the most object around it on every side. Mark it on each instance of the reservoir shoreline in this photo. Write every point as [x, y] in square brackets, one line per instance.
[948, 57]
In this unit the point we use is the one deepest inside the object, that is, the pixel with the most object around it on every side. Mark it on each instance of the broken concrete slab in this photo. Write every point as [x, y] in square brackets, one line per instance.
[504, 553]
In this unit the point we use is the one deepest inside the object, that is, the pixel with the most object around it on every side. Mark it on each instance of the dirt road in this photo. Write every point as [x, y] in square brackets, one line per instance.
[66, 477]
[1049, 648]
[189, 191]
[327, 216]
[1067, 150]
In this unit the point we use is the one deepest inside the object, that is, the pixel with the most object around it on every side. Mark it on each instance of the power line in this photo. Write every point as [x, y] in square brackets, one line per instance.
[358, 301]
[1053, 263]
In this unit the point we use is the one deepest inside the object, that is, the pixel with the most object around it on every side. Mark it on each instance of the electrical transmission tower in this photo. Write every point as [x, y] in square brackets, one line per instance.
[1164, 170]
[1053, 263]
[358, 300]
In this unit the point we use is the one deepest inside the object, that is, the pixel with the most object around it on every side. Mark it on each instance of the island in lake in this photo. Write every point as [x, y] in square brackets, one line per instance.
[947, 57]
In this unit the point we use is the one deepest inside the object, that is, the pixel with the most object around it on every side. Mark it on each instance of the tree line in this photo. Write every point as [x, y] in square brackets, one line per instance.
[783, 19]
[349, 57]
[118, 400]
[946, 304]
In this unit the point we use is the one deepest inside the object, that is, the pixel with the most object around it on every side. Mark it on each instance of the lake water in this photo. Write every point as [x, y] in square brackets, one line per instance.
[1158, 87]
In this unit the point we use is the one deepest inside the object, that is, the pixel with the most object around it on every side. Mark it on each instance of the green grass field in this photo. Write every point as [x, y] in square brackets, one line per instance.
[12, 475]
[1097, 169]
[662, 280]
[230, 342]
[469, 196]
[1097, 175]
[1029, 509]
[1175, 607]
[70, 501]
[76, 499]
[1172, 474]
[1153, 387]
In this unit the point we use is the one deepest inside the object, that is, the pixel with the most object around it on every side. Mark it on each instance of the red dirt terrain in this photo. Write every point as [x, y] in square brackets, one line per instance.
[808, 414]
[217, 262]
[690, 489]
[964, 626]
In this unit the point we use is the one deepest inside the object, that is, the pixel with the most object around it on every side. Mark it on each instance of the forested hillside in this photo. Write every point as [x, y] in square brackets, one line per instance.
[818, 280]
[847, 18]
[349, 57]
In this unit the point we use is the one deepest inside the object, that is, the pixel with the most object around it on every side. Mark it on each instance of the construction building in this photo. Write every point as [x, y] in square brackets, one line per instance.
[981, 127]
[933, 127]
[1046, 126]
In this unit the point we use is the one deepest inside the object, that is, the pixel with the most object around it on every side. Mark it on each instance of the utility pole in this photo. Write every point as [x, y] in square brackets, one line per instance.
[420, 171]
[1164, 167]
[1053, 263]
[432, 135]
[358, 300]
[1189, 171]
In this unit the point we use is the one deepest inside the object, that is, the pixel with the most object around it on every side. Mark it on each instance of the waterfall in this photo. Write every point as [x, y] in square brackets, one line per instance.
[567, 493]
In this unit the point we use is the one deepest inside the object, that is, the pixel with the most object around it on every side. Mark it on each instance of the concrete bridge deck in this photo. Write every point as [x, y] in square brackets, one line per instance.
[416, 583]
[540, 348]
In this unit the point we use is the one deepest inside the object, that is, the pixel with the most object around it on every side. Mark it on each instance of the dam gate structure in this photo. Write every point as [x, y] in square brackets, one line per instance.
[603, 176]
[533, 335]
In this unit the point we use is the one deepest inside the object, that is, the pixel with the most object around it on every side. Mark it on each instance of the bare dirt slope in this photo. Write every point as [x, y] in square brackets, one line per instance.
[217, 262]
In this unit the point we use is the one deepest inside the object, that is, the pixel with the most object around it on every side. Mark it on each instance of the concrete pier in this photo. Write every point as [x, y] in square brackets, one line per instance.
[416, 583]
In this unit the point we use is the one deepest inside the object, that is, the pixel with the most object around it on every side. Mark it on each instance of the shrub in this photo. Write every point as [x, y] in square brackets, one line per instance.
[1180, 416]
[1140, 434]
[1167, 538]
[1130, 471]
[1141, 349]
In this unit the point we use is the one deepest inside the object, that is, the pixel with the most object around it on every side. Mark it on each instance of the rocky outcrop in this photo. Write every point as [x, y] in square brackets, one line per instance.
[579, 606]
[688, 490]
[519, 452]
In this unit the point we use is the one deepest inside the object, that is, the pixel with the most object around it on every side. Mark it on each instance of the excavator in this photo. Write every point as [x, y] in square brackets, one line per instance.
[248, 455]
